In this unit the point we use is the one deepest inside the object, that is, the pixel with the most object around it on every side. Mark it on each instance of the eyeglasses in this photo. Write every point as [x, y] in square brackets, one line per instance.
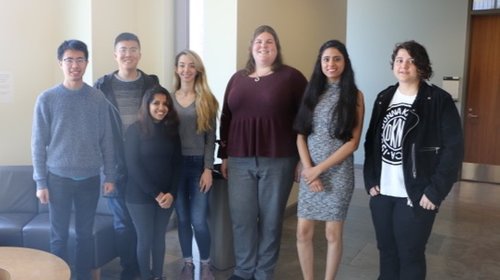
[132, 50]
[70, 60]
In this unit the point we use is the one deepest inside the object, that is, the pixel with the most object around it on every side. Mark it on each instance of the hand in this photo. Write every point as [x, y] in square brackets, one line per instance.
[316, 186]
[206, 180]
[165, 200]
[427, 204]
[43, 195]
[310, 174]
[223, 168]
[374, 191]
[108, 187]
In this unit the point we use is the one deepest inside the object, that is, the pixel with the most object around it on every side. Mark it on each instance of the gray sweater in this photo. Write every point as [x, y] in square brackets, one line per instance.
[193, 143]
[71, 135]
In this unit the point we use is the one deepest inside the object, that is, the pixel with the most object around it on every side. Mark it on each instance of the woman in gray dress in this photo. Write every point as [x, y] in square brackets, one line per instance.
[329, 125]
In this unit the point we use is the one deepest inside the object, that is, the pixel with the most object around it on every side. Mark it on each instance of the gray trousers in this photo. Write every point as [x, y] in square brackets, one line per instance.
[258, 192]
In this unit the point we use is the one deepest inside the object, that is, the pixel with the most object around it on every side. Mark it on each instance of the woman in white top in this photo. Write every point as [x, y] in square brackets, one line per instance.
[413, 153]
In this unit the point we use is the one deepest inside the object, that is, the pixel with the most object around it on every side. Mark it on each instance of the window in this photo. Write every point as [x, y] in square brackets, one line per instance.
[196, 19]
[478, 5]
[189, 32]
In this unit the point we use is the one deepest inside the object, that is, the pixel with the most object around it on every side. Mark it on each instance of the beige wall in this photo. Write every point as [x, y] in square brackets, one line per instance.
[151, 20]
[30, 37]
[28, 56]
[302, 25]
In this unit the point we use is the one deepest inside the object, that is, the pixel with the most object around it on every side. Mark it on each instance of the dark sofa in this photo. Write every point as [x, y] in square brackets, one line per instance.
[24, 222]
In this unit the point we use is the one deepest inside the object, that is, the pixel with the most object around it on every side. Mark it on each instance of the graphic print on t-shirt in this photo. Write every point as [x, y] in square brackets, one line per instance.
[392, 133]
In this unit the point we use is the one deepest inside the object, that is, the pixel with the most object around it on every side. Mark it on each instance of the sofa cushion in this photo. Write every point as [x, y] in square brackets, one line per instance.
[11, 228]
[36, 234]
[25, 222]
[17, 190]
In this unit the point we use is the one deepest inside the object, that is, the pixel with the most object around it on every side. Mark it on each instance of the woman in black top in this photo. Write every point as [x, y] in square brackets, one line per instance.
[413, 154]
[153, 156]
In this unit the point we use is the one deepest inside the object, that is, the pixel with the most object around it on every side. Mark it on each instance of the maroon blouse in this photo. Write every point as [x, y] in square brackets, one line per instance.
[257, 117]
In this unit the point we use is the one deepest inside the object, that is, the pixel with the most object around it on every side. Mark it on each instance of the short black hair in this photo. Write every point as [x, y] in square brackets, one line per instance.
[419, 54]
[72, 45]
[127, 36]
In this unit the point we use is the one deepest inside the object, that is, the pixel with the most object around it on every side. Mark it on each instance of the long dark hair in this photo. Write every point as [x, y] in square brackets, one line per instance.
[278, 62]
[144, 118]
[344, 111]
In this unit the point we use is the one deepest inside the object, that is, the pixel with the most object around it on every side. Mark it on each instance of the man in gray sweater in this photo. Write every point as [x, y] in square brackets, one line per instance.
[71, 141]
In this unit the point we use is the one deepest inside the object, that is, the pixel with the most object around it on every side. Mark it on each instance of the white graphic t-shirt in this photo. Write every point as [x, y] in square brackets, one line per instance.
[392, 179]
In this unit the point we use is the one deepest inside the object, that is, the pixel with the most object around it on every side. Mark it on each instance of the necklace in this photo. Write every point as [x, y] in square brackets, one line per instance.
[257, 76]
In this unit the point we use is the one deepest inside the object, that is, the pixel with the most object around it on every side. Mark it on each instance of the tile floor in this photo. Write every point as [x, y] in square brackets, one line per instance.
[465, 242]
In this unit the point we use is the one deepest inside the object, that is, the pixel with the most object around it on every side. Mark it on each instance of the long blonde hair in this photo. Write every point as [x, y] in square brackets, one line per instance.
[205, 102]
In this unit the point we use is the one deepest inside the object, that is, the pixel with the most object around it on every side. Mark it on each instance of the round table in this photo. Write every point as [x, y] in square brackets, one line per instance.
[27, 264]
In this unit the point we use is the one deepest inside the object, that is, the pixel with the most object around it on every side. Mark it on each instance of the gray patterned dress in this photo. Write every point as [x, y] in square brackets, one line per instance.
[338, 181]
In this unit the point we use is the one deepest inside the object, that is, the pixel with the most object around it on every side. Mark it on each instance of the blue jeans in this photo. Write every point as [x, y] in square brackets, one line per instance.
[402, 233]
[150, 221]
[84, 195]
[191, 206]
[126, 239]
[258, 192]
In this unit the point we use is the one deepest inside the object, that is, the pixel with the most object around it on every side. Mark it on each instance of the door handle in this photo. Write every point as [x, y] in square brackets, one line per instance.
[470, 115]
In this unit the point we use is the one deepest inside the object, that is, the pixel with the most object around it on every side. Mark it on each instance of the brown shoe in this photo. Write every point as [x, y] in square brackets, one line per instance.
[206, 272]
[187, 272]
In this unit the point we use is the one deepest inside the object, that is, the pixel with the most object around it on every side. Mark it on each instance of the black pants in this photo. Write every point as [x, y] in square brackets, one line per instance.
[402, 234]
[82, 195]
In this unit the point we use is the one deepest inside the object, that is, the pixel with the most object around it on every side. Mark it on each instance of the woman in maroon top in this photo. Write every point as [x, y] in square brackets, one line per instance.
[259, 152]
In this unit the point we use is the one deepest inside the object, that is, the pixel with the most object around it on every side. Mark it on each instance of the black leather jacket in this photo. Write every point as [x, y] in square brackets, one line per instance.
[105, 85]
[432, 144]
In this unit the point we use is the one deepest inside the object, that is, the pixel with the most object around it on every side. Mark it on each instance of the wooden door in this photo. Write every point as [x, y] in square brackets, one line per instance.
[482, 108]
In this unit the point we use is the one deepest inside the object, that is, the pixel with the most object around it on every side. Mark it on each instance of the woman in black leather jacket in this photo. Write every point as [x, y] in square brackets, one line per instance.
[413, 153]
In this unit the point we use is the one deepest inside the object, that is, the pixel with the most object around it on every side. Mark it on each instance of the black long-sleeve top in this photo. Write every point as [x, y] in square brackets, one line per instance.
[153, 163]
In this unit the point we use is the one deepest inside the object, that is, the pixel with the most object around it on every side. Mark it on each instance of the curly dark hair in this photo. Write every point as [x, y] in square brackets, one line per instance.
[419, 54]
